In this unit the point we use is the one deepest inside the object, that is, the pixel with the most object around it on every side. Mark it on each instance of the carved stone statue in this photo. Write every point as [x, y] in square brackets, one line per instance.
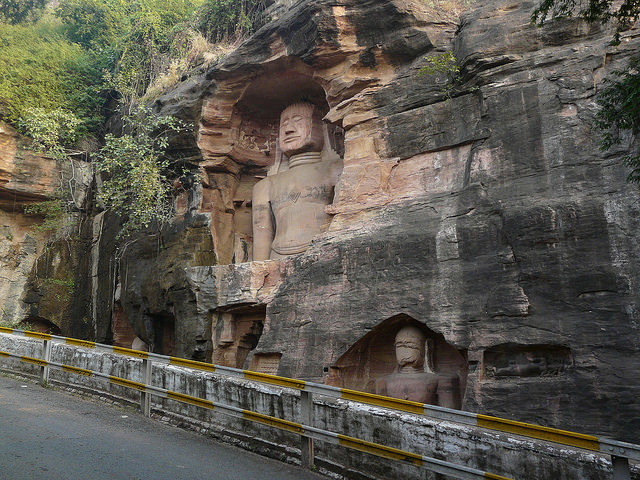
[289, 206]
[410, 381]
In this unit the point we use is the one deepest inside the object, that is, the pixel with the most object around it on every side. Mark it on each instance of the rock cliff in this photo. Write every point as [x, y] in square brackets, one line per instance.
[487, 217]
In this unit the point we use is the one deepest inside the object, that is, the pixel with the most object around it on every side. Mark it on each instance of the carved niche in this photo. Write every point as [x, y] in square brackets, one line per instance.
[249, 153]
[371, 363]
[234, 335]
[513, 360]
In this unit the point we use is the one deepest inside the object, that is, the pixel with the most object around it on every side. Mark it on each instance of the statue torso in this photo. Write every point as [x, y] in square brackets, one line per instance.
[298, 198]
[417, 387]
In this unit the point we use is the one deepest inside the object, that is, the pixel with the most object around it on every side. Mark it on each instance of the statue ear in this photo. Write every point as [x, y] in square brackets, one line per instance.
[278, 165]
[428, 355]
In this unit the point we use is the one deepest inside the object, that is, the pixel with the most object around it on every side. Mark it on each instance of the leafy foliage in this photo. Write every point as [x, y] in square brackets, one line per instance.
[136, 36]
[221, 20]
[620, 111]
[52, 131]
[54, 214]
[90, 51]
[40, 68]
[135, 170]
[624, 13]
[445, 68]
[17, 11]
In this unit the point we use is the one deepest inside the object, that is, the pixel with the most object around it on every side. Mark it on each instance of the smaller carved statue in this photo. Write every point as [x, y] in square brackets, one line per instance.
[289, 206]
[410, 381]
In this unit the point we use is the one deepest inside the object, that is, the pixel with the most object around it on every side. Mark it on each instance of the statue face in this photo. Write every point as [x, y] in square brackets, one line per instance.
[300, 130]
[410, 347]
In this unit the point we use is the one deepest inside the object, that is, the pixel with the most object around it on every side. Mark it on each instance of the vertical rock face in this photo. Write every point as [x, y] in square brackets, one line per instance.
[42, 286]
[487, 218]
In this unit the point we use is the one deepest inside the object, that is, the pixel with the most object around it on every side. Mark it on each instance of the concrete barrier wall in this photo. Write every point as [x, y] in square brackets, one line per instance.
[485, 450]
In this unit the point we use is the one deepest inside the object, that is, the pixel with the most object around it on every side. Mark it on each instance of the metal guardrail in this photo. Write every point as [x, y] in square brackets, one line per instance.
[306, 432]
[620, 452]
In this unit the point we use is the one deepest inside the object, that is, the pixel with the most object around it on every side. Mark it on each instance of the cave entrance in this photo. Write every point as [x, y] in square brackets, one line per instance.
[164, 330]
[374, 356]
[42, 325]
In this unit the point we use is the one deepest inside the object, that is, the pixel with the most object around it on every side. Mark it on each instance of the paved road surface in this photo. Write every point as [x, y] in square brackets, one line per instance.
[52, 435]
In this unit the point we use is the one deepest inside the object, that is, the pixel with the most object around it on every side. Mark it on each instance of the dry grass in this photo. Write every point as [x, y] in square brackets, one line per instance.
[455, 7]
[196, 52]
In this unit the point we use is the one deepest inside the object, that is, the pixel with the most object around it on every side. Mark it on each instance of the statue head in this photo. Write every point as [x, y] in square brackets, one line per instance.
[410, 347]
[301, 129]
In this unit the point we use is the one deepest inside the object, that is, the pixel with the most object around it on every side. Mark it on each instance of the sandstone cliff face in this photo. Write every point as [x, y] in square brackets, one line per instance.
[490, 219]
[40, 285]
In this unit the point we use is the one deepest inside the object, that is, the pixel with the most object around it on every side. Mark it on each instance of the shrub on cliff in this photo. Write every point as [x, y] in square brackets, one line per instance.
[40, 68]
[135, 172]
[222, 20]
[135, 37]
[17, 11]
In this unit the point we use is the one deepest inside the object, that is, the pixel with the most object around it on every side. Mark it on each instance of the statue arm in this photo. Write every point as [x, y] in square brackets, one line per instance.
[263, 228]
[449, 392]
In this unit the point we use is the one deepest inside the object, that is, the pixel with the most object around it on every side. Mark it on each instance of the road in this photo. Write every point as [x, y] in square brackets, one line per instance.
[50, 435]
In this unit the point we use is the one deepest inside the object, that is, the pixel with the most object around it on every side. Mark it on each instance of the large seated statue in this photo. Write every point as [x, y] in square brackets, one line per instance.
[410, 381]
[289, 206]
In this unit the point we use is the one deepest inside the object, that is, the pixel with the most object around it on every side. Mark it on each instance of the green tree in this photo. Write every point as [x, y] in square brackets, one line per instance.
[221, 20]
[136, 172]
[17, 11]
[620, 112]
[39, 68]
[137, 37]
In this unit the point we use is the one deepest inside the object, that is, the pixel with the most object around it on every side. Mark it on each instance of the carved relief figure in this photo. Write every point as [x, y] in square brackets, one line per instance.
[289, 206]
[410, 381]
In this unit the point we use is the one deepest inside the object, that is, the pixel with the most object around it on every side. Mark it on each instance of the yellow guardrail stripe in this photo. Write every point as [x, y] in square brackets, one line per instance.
[493, 476]
[130, 353]
[381, 401]
[198, 402]
[274, 380]
[563, 437]
[79, 371]
[41, 336]
[4, 354]
[183, 362]
[380, 450]
[123, 382]
[272, 421]
[35, 361]
[80, 343]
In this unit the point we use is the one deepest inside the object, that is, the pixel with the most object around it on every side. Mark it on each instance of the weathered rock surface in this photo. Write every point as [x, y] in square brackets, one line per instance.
[39, 289]
[490, 219]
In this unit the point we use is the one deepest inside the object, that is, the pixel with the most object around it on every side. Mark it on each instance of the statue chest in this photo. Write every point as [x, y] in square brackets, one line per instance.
[421, 389]
[300, 187]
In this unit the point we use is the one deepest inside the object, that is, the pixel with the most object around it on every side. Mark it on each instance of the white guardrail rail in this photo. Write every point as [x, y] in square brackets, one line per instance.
[620, 452]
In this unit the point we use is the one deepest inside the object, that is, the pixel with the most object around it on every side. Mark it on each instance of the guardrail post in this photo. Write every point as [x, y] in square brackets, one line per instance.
[306, 443]
[620, 468]
[46, 356]
[145, 397]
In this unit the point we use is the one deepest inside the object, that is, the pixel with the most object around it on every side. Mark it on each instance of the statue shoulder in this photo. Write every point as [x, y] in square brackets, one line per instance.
[262, 187]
